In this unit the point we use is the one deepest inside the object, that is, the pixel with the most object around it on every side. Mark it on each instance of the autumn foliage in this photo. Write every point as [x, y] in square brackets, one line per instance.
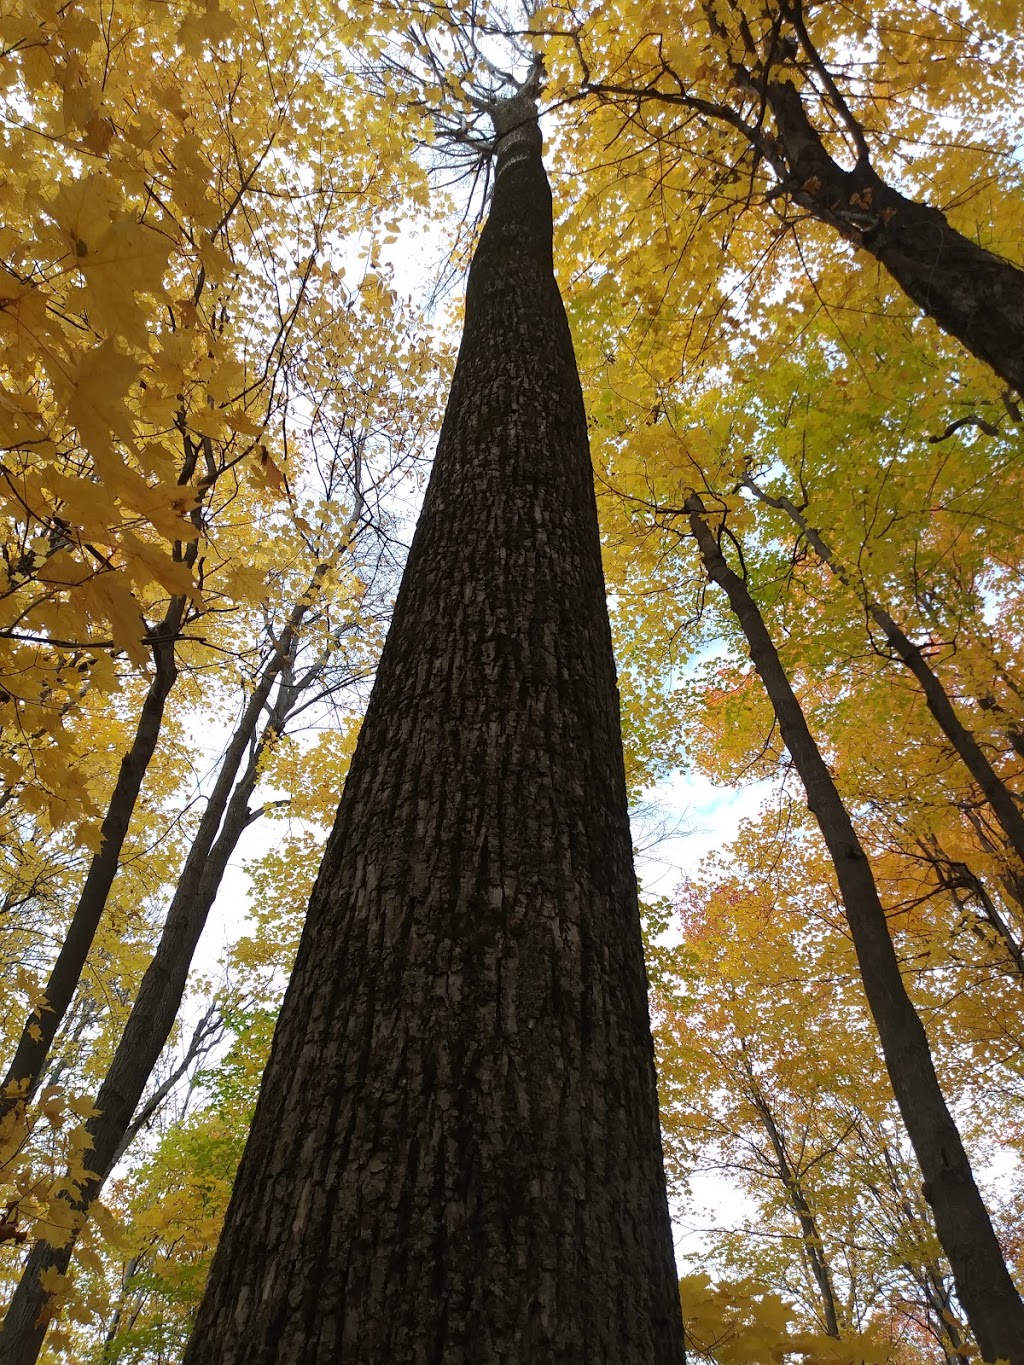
[216, 404]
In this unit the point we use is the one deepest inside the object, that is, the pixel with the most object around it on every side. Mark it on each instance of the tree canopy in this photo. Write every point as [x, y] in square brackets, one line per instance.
[787, 236]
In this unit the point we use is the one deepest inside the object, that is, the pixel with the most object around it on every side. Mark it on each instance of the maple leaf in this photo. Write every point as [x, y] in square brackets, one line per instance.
[97, 406]
[126, 262]
[53, 1282]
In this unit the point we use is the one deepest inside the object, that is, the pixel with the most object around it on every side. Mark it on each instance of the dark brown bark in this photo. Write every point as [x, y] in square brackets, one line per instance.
[152, 1016]
[23, 1074]
[973, 294]
[455, 1156]
[984, 1287]
[1000, 799]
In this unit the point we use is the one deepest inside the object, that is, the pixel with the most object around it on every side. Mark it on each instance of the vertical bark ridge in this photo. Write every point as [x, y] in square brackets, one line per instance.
[455, 1156]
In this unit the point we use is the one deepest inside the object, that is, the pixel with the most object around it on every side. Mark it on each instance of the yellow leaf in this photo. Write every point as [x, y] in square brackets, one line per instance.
[64, 568]
[207, 422]
[53, 1112]
[82, 1106]
[109, 596]
[171, 574]
[201, 30]
[239, 421]
[128, 260]
[52, 1281]
[102, 378]
[88, 1258]
[84, 210]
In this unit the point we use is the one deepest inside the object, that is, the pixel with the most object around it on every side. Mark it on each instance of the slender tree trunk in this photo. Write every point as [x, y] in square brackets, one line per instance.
[925, 1270]
[455, 1155]
[939, 1306]
[152, 1016]
[957, 878]
[1010, 879]
[973, 294]
[114, 1324]
[812, 1245]
[984, 1287]
[25, 1070]
[995, 791]
[1014, 735]
[22, 1079]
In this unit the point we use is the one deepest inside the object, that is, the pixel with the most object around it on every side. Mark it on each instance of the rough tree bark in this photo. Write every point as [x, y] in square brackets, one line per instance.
[152, 1016]
[983, 1284]
[455, 1156]
[973, 294]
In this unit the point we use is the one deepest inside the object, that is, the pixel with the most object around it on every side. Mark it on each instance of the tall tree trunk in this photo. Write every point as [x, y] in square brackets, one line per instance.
[1001, 800]
[956, 877]
[984, 1287]
[152, 1016]
[973, 294]
[23, 1074]
[25, 1070]
[455, 1156]
[812, 1246]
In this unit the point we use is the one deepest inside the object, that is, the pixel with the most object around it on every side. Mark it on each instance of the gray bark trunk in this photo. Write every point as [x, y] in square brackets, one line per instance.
[455, 1156]
[984, 1287]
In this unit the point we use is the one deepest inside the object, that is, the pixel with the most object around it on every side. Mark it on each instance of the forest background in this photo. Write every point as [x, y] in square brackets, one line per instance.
[216, 409]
